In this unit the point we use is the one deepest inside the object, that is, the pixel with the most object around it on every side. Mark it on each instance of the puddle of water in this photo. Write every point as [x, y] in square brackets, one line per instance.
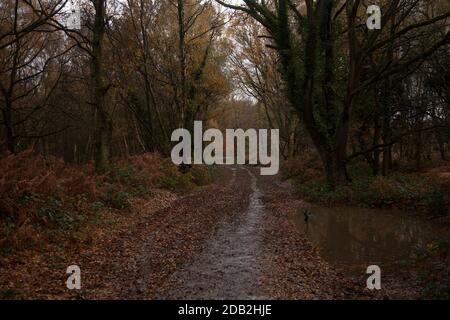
[351, 239]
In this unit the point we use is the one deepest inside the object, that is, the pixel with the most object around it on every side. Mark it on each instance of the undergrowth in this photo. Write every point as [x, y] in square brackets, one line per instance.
[433, 263]
[43, 198]
[410, 191]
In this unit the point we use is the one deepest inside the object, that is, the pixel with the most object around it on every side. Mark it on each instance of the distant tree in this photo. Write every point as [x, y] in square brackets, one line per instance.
[29, 61]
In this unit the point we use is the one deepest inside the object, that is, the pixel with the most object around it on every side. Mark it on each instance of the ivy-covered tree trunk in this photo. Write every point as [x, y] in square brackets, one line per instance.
[310, 89]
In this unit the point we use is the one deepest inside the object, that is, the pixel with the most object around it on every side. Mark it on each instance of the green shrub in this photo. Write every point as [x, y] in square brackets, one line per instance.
[140, 190]
[365, 190]
[54, 213]
[97, 206]
[317, 191]
[173, 179]
[436, 202]
[116, 198]
[201, 175]
[7, 294]
[433, 262]
[179, 183]
[123, 173]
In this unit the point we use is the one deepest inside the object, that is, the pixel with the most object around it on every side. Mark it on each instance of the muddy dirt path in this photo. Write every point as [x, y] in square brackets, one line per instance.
[236, 239]
[228, 268]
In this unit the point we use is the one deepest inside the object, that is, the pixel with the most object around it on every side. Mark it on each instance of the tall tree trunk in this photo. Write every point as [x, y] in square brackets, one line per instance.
[441, 145]
[8, 123]
[103, 133]
[182, 58]
[419, 145]
[376, 136]
[376, 152]
[149, 98]
[386, 126]
[9, 91]
[330, 140]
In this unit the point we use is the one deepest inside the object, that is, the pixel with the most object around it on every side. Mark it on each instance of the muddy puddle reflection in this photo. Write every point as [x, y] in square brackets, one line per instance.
[351, 238]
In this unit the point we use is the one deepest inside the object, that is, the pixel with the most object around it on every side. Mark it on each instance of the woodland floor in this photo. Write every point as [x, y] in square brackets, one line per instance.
[233, 239]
